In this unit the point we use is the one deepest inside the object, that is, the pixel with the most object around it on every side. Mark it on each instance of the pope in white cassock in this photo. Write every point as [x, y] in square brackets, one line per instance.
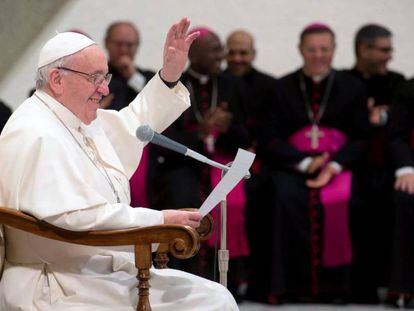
[67, 162]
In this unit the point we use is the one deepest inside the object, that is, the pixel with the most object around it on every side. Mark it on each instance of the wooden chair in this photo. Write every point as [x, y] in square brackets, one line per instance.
[181, 241]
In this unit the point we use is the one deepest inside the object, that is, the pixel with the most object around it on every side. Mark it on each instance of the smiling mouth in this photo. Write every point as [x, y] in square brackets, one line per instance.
[96, 100]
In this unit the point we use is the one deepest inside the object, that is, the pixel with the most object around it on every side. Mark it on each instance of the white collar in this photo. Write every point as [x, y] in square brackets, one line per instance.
[203, 79]
[63, 113]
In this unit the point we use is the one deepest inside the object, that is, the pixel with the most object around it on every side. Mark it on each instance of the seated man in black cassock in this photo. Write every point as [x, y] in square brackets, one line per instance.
[5, 113]
[315, 133]
[401, 147]
[261, 88]
[215, 127]
[373, 51]
[122, 41]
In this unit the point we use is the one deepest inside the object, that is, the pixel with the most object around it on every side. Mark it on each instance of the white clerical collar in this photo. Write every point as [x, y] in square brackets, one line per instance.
[317, 78]
[62, 112]
[203, 79]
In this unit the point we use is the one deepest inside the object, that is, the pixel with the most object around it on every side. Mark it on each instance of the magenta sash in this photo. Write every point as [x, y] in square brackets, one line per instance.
[334, 197]
[138, 182]
[236, 201]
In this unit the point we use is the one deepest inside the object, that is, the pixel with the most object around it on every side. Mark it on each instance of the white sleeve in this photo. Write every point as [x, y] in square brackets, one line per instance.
[108, 217]
[337, 167]
[404, 170]
[304, 164]
[156, 105]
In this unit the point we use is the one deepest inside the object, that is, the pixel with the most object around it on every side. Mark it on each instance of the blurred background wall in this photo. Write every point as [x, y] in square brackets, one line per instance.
[25, 25]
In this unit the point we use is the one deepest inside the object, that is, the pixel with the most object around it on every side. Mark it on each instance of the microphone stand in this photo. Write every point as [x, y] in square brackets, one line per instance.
[223, 252]
[145, 134]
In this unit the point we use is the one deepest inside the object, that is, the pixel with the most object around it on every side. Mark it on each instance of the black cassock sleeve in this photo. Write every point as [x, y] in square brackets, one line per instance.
[401, 125]
[355, 123]
[273, 146]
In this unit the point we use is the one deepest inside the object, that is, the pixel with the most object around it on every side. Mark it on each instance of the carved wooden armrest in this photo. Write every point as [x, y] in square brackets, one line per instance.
[182, 241]
[204, 231]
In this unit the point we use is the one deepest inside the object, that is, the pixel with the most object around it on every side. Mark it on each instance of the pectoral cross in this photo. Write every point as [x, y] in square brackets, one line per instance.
[314, 134]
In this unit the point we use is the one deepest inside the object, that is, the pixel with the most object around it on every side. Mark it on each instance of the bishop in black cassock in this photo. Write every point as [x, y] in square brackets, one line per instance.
[261, 90]
[122, 41]
[372, 248]
[401, 148]
[315, 133]
[213, 126]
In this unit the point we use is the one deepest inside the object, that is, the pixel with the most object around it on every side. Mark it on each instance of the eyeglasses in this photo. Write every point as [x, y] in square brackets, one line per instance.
[96, 78]
[322, 50]
[382, 49]
[128, 45]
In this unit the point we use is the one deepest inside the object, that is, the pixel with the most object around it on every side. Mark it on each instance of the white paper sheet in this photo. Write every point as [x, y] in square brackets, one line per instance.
[237, 171]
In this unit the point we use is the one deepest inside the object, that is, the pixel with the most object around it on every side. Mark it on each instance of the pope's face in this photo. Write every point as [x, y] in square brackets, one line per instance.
[80, 94]
[317, 50]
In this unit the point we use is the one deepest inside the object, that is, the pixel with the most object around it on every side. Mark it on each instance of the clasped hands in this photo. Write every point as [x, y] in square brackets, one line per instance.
[326, 171]
[376, 113]
[405, 183]
[219, 119]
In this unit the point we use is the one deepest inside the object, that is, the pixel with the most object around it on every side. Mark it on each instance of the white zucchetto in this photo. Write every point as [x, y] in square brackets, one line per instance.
[63, 44]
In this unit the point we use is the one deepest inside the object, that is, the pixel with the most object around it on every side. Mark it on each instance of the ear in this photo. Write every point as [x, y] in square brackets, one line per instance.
[55, 81]
[300, 48]
[363, 50]
[106, 42]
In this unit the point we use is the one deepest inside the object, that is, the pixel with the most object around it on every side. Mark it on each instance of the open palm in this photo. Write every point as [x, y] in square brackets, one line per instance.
[176, 48]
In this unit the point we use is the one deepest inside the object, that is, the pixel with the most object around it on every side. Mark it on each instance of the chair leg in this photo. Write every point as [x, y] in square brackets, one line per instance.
[143, 264]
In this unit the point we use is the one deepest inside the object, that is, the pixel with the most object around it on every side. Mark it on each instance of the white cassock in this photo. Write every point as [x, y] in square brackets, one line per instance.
[56, 168]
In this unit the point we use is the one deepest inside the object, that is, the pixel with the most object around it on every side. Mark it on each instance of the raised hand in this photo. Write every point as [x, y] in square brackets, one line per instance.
[125, 66]
[176, 49]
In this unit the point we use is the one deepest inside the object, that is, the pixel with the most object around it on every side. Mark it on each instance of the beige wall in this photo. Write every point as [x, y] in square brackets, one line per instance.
[275, 24]
[20, 22]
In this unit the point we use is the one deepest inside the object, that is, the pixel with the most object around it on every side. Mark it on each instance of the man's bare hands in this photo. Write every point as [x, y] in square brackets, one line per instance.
[317, 163]
[219, 119]
[405, 183]
[376, 112]
[176, 217]
[176, 49]
[106, 101]
[125, 66]
[323, 178]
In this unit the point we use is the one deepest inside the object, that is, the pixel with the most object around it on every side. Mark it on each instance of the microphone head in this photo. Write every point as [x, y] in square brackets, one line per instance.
[144, 133]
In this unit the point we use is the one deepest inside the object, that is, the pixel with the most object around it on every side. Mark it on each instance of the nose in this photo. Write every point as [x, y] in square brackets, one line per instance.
[237, 58]
[103, 88]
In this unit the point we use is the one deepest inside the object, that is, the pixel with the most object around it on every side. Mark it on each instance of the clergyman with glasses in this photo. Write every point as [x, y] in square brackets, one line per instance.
[67, 162]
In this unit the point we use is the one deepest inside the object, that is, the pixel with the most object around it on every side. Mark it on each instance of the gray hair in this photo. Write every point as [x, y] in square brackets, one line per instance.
[42, 75]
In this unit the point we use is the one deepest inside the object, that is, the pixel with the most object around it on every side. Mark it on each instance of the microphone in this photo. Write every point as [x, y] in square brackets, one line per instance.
[146, 134]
